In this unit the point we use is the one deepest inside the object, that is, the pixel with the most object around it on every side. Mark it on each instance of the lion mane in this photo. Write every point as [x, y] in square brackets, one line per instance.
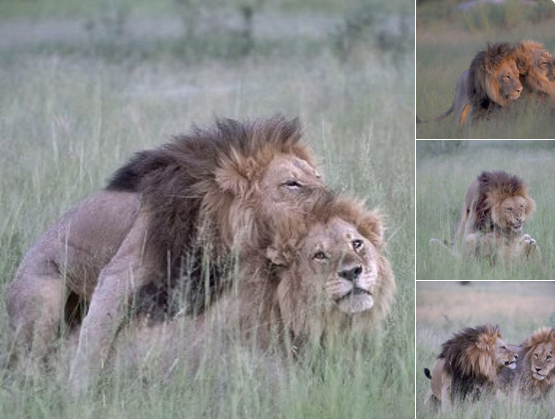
[493, 188]
[536, 67]
[483, 88]
[470, 360]
[172, 219]
[537, 355]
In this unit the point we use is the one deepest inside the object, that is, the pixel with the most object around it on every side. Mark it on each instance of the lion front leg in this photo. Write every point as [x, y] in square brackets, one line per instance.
[118, 282]
[529, 249]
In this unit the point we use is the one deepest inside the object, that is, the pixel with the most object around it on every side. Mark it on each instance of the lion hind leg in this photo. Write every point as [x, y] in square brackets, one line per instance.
[463, 116]
[35, 306]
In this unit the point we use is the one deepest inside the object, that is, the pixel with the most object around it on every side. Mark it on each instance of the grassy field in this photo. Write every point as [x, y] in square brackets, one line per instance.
[519, 308]
[82, 87]
[447, 41]
[442, 181]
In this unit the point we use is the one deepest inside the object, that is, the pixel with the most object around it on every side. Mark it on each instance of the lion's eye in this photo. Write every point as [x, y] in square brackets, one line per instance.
[292, 184]
[536, 356]
[319, 255]
[508, 209]
[548, 357]
[358, 244]
[503, 347]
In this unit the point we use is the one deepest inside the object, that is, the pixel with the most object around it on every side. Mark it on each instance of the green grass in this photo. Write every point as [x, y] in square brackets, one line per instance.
[72, 109]
[445, 47]
[519, 308]
[442, 181]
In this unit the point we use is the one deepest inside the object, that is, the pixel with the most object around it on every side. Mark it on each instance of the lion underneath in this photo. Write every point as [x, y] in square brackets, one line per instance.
[316, 280]
[496, 207]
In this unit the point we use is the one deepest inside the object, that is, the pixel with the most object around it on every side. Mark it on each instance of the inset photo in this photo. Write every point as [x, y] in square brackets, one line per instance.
[485, 69]
[485, 210]
[485, 349]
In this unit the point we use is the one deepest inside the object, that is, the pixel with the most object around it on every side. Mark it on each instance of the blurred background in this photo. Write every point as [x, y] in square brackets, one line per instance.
[444, 308]
[450, 33]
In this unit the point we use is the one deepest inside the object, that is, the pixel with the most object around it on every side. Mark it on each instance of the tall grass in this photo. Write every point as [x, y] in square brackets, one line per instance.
[442, 181]
[518, 308]
[71, 114]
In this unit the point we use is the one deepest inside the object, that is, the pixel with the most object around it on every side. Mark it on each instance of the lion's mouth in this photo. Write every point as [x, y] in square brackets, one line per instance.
[517, 226]
[538, 376]
[513, 95]
[355, 301]
[510, 364]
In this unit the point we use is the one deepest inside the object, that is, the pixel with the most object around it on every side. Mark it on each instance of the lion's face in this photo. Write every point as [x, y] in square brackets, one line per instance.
[286, 180]
[541, 75]
[510, 214]
[505, 356]
[508, 80]
[338, 267]
[542, 360]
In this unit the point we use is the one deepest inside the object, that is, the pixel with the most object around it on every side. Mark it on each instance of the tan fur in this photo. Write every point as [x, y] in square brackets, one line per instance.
[536, 67]
[496, 207]
[469, 365]
[205, 196]
[535, 375]
[317, 280]
[492, 81]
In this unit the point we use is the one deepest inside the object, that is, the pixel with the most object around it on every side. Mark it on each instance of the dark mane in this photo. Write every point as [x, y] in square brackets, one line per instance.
[492, 58]
[460, 362]
[489, 183]
[188, 209]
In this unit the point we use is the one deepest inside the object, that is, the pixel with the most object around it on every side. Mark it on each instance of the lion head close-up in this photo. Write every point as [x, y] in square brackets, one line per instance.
[503, 202]
[494, 77]
[325, 274]
[536, 67]
[537, 363]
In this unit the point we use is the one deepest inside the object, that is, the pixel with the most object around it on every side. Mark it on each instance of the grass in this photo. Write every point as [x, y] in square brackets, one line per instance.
[442, 181]
[447, 43]
[73, 108]
[519, 308]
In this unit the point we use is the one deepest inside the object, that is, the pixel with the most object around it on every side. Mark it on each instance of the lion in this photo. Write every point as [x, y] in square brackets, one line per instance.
[496, 207]
[469, 366]
[491, 83]
[534, 377]
[179, 213]
[536, 68]
[316, 280]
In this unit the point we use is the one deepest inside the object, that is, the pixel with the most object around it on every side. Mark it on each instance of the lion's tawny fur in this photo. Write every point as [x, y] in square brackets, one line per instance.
[179, 212]
[282, 297]
[537, 353]
[536, 67]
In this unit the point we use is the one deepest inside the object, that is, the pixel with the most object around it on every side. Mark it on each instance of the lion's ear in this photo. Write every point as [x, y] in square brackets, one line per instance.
[530, 206]
[485, 342]
[371, 226]
[279, 257]
[235, 174]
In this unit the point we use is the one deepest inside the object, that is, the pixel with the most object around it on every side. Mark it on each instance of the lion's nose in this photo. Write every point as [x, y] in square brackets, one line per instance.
[351, 274]
[538, 369]
[515, 356]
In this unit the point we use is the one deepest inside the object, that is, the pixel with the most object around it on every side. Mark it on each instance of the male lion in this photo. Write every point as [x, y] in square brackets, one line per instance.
[491, 82]
[317, 279]
[175, 213]
[536, 68]
[534, 378]
[469, 365]
[496, 206]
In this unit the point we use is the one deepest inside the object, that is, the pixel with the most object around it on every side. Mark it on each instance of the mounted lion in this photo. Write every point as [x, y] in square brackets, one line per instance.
[496, 207]
[469, 366]
[317, 279]
[491, 82]
[171, 219]
[536, 68]
[534, 377]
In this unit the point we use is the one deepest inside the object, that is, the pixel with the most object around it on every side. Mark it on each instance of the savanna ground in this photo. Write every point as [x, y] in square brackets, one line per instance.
[444, 172]
[447, 41]
[85, 84]
[519, 308]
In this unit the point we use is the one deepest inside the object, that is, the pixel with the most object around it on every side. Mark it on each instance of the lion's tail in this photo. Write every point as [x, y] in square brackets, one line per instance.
[438, 118]
[427, 373]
